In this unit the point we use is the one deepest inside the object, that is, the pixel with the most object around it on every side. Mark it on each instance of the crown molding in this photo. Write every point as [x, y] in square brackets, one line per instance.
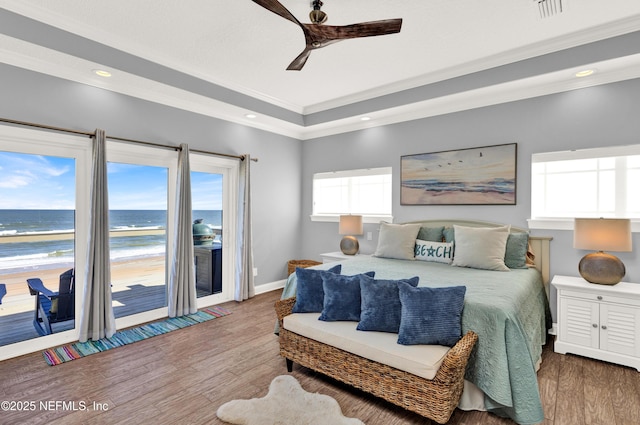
[560, 81]
[46, 61]
[85, 30]
[579, 38]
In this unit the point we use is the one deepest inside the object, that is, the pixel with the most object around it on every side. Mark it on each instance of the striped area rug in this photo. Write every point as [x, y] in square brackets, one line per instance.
[66, 353]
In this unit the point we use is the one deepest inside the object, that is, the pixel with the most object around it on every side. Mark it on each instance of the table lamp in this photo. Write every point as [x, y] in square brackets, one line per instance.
[350, 225]
[602, 234]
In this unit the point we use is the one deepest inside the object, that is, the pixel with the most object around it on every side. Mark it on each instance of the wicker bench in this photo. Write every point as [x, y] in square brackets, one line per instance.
[434, 399]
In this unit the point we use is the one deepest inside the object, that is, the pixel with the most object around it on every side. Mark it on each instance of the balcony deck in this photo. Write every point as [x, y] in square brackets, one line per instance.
[137, 285]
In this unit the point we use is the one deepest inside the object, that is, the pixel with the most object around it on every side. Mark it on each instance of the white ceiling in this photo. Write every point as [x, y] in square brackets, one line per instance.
[240, 46]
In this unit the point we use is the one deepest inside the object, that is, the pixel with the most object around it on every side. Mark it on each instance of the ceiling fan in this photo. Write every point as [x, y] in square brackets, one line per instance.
[317, 35]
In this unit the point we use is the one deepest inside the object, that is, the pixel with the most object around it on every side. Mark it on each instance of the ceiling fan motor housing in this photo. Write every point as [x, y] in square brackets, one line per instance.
[317, 16]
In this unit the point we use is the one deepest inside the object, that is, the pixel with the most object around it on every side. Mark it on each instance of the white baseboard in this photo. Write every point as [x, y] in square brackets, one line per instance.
[271, 286]
[554, 329]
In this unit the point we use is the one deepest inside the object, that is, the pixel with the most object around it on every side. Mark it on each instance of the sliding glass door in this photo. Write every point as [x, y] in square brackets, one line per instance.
[42, 226]
[206, 195]
[138, 237]
[141, 202]
[44, 222]
[213, 182]
[37, 222]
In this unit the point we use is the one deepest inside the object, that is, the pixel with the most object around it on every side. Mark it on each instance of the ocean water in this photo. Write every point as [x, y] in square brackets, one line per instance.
[491, 186]
[19, 256]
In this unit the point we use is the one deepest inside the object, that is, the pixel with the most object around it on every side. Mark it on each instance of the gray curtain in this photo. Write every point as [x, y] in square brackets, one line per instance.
[97, 320]
[244, 287]
[182, 282]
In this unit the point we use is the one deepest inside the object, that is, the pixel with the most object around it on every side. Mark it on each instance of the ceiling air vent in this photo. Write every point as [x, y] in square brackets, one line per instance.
[549, 8]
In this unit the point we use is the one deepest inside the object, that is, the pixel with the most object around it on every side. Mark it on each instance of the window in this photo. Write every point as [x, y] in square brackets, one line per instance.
[584, 183]
[43, 218]
[366, 192]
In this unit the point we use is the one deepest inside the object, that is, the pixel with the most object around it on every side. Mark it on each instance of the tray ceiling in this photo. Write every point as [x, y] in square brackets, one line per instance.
[225, 58]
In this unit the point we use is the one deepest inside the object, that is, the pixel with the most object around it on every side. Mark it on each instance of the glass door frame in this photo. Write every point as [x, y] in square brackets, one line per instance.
[137, 154]
[229, 169]
[168, 157]
[46, 143]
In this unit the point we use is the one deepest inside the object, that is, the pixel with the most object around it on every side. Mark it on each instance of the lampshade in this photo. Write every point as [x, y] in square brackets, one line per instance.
[602, 234]
[350, 225]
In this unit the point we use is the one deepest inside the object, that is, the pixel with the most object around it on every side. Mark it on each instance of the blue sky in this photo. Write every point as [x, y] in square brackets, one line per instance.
[47, 182]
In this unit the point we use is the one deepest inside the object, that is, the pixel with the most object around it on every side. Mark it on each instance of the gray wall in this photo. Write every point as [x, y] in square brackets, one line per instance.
[29, 96]
[281, 180]
[591, 117]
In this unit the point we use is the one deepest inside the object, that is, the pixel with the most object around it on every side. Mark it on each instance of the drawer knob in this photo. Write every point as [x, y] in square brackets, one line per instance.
[604, 327]
[595, 325]
[600, 297]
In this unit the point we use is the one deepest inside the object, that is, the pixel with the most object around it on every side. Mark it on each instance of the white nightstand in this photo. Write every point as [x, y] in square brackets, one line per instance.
[330, 257]
[599, 321]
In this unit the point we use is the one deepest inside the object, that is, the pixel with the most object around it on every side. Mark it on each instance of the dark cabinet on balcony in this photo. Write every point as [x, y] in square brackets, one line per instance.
[208, 259]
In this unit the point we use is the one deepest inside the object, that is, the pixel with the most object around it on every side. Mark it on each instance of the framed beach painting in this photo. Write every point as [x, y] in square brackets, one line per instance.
[475, 176]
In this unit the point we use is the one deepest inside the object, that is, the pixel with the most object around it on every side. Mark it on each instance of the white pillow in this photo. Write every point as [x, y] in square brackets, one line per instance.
[397, 241]
[439, 252]
[480, 247]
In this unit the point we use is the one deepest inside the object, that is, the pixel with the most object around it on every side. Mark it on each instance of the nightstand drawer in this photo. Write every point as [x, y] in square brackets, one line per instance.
[600, 297]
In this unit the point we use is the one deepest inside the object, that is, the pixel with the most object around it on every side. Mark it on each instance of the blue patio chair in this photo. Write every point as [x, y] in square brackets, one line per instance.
[3, 291]
[53, 307]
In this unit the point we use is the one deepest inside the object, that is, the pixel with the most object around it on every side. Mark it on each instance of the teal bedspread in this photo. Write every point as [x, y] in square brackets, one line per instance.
[508, 311]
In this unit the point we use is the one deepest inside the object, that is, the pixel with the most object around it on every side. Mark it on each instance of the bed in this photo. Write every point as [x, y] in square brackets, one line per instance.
[508, 309]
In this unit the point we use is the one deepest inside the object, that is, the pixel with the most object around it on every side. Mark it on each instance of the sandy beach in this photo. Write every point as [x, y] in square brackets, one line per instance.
[412, 196]
[122, 272]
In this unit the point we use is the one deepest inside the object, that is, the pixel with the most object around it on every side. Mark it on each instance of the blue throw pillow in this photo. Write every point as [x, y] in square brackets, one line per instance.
[515, 255]
[380, 304]
[341, 297]
[309, 292]
[449, 234]
[431, 316]
[431, 234]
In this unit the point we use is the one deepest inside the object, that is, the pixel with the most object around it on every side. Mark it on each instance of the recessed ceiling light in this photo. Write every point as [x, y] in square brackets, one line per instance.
[585, 73]
[250, 116]
[365, 118]
[102, 73]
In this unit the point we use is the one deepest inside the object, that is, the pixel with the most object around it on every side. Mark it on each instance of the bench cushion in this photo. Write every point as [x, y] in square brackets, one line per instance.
[381, 347]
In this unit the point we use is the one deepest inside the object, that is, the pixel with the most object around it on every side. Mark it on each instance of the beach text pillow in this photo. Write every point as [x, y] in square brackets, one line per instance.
[438, 252]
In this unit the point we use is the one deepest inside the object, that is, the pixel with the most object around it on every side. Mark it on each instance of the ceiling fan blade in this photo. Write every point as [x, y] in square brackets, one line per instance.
[299, 62]
[364, 29]
[276, 7]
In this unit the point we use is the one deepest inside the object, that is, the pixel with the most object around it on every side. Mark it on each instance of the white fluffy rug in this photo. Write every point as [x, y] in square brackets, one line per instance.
[287, 403]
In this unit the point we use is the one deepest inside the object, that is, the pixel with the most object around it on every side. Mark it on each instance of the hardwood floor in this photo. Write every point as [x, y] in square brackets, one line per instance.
[182, 377]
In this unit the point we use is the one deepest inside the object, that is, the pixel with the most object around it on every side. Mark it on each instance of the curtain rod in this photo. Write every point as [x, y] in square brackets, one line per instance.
[122, 139]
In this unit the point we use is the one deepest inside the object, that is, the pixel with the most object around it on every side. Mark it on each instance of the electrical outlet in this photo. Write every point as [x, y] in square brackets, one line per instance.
[255, 271]
[369, 236]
